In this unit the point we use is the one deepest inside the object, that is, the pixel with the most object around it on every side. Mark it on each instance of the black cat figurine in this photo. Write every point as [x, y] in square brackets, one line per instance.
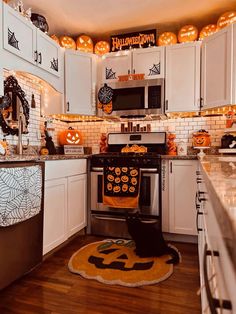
[149, 240]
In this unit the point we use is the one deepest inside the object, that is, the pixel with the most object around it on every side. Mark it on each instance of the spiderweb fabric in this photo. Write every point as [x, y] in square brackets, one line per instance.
[20, 194]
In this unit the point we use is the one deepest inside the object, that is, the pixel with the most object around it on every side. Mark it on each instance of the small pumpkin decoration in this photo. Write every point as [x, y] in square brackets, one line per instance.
[207, 31]
[101, 48]
[187, 33]
[67, 42]
[44, 151]
[55, 38]
[84, 43]
[167, 38]
[226, 19]
[201, 139]
[70, 137]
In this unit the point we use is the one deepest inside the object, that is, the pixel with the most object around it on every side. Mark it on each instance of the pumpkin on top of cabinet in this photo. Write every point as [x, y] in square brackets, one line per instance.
[55, 38]
[226, 19]
[201, 139]
[207, 31]
[70, 137]
[167, 38]
[101, 48]
[187, 33]
[67, 42]
[84, 43]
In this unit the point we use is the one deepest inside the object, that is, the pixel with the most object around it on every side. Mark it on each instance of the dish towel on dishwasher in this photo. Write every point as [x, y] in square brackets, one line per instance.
[121, 187]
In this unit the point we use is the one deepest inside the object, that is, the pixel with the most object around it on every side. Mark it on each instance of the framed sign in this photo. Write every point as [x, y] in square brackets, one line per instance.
[142, 39]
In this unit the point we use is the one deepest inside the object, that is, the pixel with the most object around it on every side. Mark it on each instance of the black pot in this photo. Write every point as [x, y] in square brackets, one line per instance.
[40, 22]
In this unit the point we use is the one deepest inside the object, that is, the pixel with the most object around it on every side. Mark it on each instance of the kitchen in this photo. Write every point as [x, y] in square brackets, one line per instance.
[193, 199]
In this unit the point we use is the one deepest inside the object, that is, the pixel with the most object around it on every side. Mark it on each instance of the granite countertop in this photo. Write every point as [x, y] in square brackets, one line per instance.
[178, 157]
[220, 178]
[19, 158]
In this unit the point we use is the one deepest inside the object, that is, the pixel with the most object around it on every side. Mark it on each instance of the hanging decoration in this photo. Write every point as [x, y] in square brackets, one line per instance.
[226, 19]
[54, 64]
[110, 75]
[167, 38]
[84, 43]
[187, 33]
[67, 42]
[40, 22]
[12, 41]
[55, 38]
[133, 40]
[155, 70]
[102, 47]
[207, 31]
[105, 94]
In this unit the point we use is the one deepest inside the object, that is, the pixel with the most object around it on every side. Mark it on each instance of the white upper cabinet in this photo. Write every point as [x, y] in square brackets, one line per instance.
[217, 70]
[23, 39]
[115, 64]
[80, 78]
[150, 61]
[19, 35]
[183, 77]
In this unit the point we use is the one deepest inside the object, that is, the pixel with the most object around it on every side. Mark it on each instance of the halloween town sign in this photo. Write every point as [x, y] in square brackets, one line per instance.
[133, 40]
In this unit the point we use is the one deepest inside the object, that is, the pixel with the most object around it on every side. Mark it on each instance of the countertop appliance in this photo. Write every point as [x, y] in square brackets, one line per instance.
[21, 219]
[137, 98]
[110, 221]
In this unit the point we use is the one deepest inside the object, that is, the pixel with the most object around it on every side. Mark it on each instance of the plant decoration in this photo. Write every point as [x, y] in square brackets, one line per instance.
[70, 137]
[105, 94]
[226, 19]
[207, 31]
[84, 43]
[101, 48]
[67, 42]
[167, 38]
[187, 33]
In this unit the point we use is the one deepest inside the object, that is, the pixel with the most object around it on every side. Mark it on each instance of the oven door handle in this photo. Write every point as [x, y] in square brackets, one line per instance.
[100, 217]
[97, 169]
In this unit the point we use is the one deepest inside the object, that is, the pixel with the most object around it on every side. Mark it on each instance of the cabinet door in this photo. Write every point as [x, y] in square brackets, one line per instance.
[217, 69]
[79, 86]
[19, 35]
[183, 77]
[49, 54]
[149, 61]
[55, 214]
[115, 64]
[77, 203]
[182, 190]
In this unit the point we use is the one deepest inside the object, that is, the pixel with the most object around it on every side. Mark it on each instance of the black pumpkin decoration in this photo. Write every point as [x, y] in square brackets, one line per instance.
[40, 22]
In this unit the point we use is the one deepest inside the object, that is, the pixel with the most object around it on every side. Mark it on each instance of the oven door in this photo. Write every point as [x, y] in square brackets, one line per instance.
[149, 200]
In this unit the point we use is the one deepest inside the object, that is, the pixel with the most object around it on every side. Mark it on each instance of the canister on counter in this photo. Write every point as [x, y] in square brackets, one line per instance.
[182, 149]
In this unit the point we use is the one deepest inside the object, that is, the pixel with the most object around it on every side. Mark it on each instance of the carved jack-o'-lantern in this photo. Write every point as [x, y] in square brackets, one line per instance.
[55, 38]
[84, 43]
[67, 42]
[70, 137]
[207, 31]
[167, 38]
[226, 19]
[102, 47]
[187, 33]
[201, 139]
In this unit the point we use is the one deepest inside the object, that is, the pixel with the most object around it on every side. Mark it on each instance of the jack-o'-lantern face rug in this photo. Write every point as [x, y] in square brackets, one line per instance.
[115, 262]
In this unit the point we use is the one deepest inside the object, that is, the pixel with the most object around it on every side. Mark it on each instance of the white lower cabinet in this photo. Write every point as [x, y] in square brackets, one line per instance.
[182, 190]
[65, 201]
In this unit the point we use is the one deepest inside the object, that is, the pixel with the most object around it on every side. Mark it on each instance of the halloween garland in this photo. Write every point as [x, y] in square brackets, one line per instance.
[105, 94]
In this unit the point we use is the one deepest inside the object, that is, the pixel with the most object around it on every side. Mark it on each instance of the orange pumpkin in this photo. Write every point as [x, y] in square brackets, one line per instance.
[84, 43]
[55, 38]
[201, 139]
[167, 38]
[226, 19]
[207, 31]
[187, 33]
[70, 137]
[67, 42]
[102, 47]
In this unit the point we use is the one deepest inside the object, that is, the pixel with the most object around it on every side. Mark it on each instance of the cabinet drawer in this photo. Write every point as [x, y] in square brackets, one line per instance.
[63, 168]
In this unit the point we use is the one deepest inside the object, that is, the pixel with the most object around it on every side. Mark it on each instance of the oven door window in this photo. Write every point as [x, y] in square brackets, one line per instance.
[128, 98]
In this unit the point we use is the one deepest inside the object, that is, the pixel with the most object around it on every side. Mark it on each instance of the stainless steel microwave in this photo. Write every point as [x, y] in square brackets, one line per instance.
[136, 98]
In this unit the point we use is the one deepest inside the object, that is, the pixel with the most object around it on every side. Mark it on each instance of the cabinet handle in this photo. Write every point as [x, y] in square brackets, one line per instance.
[128, 71]
[201, 103]
[166, 104]
[197, 225]
[171, 170]
[68, 106]
[35, 56]
[197, 206]
[201, 199]
[133, 71]
[213, 302]
[40, 58]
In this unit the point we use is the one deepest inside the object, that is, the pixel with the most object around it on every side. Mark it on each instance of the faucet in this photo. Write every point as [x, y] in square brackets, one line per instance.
[19, 148]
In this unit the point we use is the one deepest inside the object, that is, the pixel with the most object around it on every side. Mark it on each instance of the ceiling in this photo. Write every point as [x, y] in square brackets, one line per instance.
[101, 18]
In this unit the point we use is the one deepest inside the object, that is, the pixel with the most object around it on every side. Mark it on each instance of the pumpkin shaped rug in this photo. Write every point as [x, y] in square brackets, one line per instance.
[114, 262]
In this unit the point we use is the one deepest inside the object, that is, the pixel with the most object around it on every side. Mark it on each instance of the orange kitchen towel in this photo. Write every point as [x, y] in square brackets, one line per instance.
[121, 187]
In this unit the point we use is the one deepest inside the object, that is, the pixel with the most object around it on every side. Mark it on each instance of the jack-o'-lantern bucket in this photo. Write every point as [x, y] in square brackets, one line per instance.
[201, 139]
[70, 137]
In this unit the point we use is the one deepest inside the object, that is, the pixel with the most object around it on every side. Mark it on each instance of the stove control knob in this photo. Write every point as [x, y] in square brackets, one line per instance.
[101, 161]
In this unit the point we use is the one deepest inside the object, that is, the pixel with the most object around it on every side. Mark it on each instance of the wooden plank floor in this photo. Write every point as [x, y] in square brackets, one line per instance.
[51, 288]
